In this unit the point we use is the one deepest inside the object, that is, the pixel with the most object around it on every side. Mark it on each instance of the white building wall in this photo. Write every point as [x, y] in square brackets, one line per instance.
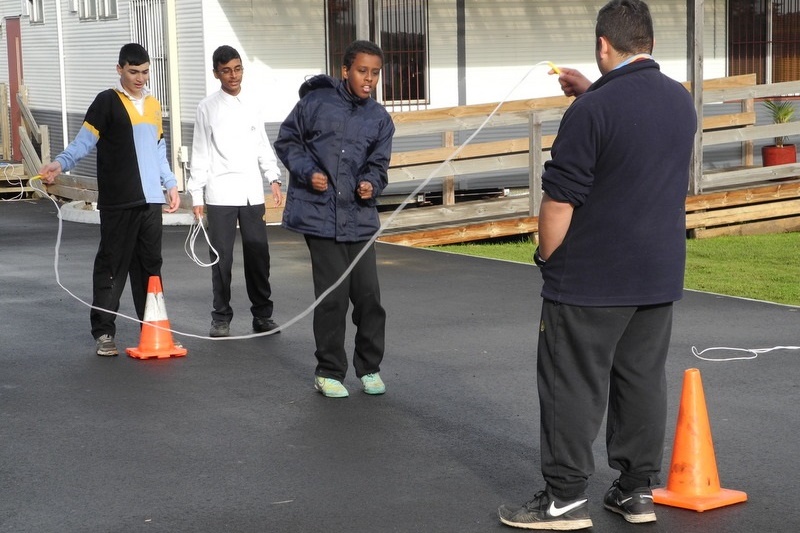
[281, 43]
[506, 39]
[91, 50]
[443, 53]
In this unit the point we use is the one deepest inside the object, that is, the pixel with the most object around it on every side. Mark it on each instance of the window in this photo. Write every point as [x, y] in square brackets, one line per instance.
[764, 38]
[87, 9]
[147, 29]
[107, 9]
[404, 39]
[35, 11]
[400, 28]
[94, 9]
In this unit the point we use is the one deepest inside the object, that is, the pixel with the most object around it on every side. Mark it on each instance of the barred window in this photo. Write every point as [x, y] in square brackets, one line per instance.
[147, 29]
[400, 28]
[764, 38]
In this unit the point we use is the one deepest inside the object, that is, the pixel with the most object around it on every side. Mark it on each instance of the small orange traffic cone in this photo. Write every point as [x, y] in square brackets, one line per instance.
[156, 338]
[693, 481]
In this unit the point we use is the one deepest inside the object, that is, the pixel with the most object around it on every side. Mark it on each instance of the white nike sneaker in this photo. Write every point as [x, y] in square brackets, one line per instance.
[545, 511]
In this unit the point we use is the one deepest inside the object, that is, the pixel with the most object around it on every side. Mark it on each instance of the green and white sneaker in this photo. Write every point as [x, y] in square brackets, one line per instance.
[330, 388]
[373, 384]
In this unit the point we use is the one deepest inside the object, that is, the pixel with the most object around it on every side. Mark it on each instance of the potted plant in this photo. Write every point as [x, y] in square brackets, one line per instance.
[779, 153]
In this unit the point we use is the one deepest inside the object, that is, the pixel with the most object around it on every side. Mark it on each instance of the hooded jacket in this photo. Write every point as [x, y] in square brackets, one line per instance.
[347, 138]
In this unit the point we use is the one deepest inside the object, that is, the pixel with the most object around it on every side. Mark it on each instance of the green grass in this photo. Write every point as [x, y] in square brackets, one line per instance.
[762, 267]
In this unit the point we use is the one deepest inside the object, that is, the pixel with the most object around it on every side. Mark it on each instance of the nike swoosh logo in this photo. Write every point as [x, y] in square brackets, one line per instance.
[558, 511]
[626, 500]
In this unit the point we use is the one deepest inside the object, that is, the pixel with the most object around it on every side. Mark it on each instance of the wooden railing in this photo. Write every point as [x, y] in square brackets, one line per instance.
[456, 222]
[33, 141]
[504, 216]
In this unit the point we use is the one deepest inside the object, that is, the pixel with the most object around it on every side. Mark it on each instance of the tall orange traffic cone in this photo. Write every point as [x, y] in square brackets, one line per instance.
[156, 338]
[693, 481]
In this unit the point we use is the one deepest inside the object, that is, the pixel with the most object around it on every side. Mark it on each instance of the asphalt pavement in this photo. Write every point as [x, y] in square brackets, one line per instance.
[233, 437]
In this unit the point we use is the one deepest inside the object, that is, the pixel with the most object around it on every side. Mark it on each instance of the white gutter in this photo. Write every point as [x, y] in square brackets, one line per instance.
[62, 77]
[178, 151]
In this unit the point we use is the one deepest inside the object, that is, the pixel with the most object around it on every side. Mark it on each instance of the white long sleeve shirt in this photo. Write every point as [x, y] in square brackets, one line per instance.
[231, 154]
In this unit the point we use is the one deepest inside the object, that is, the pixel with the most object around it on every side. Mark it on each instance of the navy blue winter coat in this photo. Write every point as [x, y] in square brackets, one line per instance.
[345, 137]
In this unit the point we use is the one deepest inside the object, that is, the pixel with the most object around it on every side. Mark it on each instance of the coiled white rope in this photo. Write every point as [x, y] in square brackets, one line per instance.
[8, 177]
[195, 229]
[754, 352]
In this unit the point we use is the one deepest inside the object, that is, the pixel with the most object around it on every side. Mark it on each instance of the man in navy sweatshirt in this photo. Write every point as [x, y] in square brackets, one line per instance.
[612, 232]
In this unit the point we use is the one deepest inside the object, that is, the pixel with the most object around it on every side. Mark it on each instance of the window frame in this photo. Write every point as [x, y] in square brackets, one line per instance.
[35, 11]
[107, 9]
[87, 10]
[341, 27]
[760, 39]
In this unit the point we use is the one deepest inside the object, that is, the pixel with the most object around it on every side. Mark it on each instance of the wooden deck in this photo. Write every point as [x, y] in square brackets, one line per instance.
[767, 208]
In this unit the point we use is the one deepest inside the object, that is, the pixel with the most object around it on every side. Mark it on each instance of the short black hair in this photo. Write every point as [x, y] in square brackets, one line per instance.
[133, 54]
[627, 25]
[360, 47]
[224, 54]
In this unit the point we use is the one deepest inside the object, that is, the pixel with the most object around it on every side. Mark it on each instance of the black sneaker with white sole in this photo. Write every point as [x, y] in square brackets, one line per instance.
[635, 506]
[547, 512]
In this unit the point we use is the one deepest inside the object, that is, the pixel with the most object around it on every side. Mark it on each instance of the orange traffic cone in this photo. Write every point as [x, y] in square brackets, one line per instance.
[693, 478]
[156, 339]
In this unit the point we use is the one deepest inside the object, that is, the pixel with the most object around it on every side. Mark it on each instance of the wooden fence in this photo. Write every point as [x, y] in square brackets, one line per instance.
[34, 146]
[761, 203]
[740, 199]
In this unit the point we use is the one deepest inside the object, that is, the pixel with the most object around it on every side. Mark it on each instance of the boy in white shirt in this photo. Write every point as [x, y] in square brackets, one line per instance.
[231, 158]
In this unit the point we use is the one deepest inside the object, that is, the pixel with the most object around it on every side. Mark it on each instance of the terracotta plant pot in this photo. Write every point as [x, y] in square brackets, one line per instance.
[778, 155]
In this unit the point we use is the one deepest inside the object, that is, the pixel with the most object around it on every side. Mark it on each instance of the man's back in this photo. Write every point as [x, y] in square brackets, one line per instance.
[622, 159]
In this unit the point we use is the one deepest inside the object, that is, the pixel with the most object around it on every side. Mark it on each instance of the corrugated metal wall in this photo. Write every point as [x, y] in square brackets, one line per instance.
[191, 61]
[91, 50]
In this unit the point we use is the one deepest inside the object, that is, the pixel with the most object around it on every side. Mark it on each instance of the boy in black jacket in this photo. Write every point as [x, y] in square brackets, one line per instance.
[124, 123]
[336, 144]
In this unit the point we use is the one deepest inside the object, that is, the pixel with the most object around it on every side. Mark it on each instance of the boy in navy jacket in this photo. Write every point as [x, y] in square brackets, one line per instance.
[336, 144]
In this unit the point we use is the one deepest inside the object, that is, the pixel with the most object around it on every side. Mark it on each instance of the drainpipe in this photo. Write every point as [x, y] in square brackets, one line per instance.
[62, 77]
[178, 152]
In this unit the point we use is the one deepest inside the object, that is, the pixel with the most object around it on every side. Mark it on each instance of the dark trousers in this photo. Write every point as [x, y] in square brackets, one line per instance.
[329, 260]
[222, 221]
[590, 358]
[130, 246]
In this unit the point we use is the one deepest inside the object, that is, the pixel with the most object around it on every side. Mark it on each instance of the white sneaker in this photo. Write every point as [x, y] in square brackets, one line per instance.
[330, 388]
[373, 384]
